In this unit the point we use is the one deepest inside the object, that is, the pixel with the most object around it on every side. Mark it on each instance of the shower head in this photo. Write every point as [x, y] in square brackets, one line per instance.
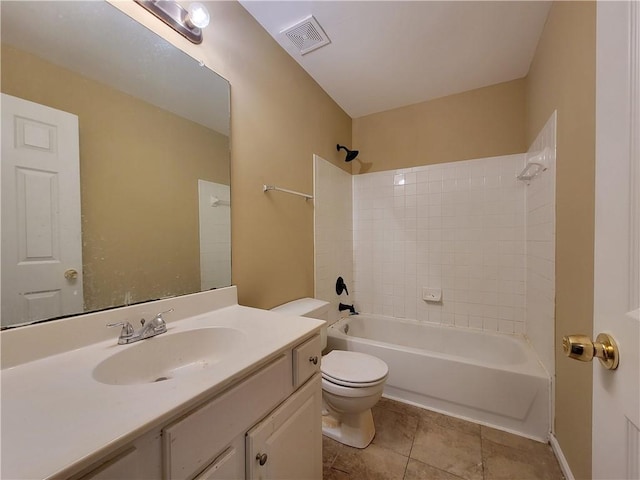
[351, 154]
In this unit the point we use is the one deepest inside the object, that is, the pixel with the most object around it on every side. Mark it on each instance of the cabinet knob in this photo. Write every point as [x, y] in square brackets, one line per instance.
[262, 458]
[314, 359]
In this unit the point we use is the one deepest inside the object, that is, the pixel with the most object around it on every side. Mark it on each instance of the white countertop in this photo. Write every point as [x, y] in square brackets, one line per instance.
[56, 418]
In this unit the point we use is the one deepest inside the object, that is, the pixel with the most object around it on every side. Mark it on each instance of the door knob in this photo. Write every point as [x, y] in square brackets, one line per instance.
[71, 274]
[605, 348]
[261, 458]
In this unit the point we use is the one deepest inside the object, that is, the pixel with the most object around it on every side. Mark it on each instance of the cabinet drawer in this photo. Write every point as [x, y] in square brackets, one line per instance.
[306, 360]
[194, 441]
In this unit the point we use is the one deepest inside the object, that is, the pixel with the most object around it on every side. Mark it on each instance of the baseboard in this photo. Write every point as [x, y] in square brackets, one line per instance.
[564, 465]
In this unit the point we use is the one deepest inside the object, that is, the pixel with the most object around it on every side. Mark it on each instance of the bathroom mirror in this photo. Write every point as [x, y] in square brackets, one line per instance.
[145, 211]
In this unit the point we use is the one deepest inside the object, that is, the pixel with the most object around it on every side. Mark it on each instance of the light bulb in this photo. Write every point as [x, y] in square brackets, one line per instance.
[198, 15]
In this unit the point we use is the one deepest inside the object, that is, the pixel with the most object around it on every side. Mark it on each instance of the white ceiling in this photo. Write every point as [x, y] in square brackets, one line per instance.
[387, 54]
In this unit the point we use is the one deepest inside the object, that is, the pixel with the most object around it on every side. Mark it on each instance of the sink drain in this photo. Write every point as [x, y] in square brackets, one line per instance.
[161, 379]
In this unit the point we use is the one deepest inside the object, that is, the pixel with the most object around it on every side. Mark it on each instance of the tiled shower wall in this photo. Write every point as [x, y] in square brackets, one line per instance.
[458, 227]
[333, 227]
[215, 234]
[541, 235]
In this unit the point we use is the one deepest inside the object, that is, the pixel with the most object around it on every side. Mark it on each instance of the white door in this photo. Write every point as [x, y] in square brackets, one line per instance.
[41, 238]
[616, 395]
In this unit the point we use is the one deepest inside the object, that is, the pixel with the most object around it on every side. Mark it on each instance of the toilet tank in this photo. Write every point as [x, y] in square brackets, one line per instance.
[308, 307]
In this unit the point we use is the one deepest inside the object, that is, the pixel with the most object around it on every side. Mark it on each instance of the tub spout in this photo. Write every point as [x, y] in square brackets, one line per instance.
[351, 308]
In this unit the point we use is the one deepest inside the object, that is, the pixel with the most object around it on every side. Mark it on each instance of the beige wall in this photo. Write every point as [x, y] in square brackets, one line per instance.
[139, 192]
[279, 118]
[479, 123]
[562, 77]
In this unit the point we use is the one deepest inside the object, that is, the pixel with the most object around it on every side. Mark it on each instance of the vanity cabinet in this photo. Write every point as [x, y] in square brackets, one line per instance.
[266, 426]
[286, 444]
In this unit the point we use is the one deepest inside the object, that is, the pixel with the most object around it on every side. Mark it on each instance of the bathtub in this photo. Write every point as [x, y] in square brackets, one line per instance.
[489, 378]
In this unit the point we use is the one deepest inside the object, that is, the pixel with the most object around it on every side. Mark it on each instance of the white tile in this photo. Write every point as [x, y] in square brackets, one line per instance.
[461, 320]
[505, 326]
[460, 226]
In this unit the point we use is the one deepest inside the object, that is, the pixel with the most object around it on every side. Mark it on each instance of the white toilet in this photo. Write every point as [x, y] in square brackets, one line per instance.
[352, 382]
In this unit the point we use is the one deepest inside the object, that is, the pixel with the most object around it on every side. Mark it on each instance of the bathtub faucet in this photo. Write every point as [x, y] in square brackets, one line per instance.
[351, 308]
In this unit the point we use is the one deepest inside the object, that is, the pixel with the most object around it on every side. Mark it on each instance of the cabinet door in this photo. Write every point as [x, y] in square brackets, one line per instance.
[229, 465]
[288, 442]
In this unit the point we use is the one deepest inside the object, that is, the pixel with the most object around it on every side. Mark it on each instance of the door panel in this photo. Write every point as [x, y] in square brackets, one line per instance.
[616, 395]
[40, 212]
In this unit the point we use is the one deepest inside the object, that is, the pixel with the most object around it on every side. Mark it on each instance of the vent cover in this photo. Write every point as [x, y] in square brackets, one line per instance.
[307, 35]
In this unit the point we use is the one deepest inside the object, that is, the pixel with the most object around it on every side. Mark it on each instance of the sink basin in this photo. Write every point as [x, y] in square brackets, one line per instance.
[168, 356]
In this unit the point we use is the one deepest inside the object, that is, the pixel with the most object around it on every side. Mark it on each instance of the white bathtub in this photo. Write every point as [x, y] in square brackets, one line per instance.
[490, 378]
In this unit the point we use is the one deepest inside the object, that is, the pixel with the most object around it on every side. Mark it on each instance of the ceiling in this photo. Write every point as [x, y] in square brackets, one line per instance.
[388, 54]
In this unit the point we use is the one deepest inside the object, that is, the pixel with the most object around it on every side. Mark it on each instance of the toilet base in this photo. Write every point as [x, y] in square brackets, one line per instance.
[355, 429]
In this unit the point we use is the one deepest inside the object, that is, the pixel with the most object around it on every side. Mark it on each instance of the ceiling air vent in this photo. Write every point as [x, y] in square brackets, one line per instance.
[307, 35]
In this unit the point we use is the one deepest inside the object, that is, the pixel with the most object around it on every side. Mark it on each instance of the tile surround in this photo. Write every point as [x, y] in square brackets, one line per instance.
[468, 228]
[333, 226]
[457, 226]
[215, 235]
[541, 241]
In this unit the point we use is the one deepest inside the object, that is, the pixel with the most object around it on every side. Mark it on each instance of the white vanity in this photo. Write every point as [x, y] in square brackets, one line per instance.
[75, 404]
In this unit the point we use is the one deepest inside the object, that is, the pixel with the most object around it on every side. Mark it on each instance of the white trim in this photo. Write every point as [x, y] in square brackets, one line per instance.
[634, 156]
[564, 465]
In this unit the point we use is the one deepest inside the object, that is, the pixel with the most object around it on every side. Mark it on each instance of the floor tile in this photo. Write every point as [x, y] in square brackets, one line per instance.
[399, 406]
[430, 417]
[421, 471]
[506, 463]
[333, 474]
[449, 449]
[372, 463]
[513, 441]
[394, 430]
[440, 448]
[329, 452]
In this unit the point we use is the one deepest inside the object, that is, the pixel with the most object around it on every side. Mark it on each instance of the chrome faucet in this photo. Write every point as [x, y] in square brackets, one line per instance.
[149, 329]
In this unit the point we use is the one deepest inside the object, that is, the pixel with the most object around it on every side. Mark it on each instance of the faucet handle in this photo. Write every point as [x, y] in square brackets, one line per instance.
[127, 328]
[158, 323]
[159, 315]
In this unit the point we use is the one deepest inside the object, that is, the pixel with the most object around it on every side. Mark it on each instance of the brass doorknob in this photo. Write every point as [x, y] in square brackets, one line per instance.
[71, 274]
[582, 348]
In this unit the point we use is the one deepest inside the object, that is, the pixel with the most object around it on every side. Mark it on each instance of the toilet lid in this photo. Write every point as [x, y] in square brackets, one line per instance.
[353, 367]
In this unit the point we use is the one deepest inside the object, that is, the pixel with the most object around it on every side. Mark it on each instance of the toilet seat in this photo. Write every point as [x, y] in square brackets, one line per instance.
[353, 369]
[329, 387]
[344, 383]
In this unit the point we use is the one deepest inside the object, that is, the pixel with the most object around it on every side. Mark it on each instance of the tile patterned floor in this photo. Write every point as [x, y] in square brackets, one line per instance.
[416, 444]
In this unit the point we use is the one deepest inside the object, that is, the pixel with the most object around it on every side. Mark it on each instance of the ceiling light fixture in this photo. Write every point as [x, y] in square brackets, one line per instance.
[188, 23]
